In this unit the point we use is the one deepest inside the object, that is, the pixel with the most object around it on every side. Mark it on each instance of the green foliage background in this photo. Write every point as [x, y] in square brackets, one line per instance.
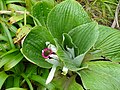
[24, 69]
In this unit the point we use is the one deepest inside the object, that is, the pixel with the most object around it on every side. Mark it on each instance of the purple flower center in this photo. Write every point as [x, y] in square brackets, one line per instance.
[46, 52]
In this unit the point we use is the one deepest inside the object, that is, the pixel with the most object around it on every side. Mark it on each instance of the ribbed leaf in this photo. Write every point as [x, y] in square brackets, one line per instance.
[65, 16]
[85, 36]
[101, 75]
[41, 9]
[108, 43]
[35, 43]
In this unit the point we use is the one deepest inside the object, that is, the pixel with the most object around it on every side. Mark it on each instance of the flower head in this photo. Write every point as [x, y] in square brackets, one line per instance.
[46, 53]
[50, 56]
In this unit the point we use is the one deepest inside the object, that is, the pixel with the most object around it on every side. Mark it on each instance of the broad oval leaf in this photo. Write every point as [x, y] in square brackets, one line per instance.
[33, 45]
[85, 36]
[101, 75]
[66, 16]
[108, 43]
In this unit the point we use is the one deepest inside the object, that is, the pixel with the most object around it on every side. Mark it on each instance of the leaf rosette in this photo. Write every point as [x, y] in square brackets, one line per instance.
[71, 32]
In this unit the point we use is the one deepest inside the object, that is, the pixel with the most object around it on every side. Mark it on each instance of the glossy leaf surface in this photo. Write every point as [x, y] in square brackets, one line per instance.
[34, 43]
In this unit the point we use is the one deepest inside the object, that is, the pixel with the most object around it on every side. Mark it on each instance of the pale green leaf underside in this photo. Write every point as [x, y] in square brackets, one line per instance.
[101, 75]
[66, 59]
[85, 36]
[35, 43]
[66, 16]
[108, 43]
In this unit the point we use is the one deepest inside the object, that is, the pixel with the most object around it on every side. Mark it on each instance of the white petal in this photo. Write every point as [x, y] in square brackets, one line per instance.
[52, 47]
[51, 74]
[54, 56]
[53, 61]
[65, 70]
[47, 43]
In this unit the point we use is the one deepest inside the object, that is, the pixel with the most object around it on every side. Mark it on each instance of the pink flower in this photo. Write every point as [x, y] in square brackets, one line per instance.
[46, 53]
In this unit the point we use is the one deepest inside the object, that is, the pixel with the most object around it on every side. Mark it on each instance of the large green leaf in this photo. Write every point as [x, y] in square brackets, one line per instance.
[34, 43]
[65, 16]
[41, 9]
[85, 36]
[108, 43]
[101, 75]
[3, 77]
